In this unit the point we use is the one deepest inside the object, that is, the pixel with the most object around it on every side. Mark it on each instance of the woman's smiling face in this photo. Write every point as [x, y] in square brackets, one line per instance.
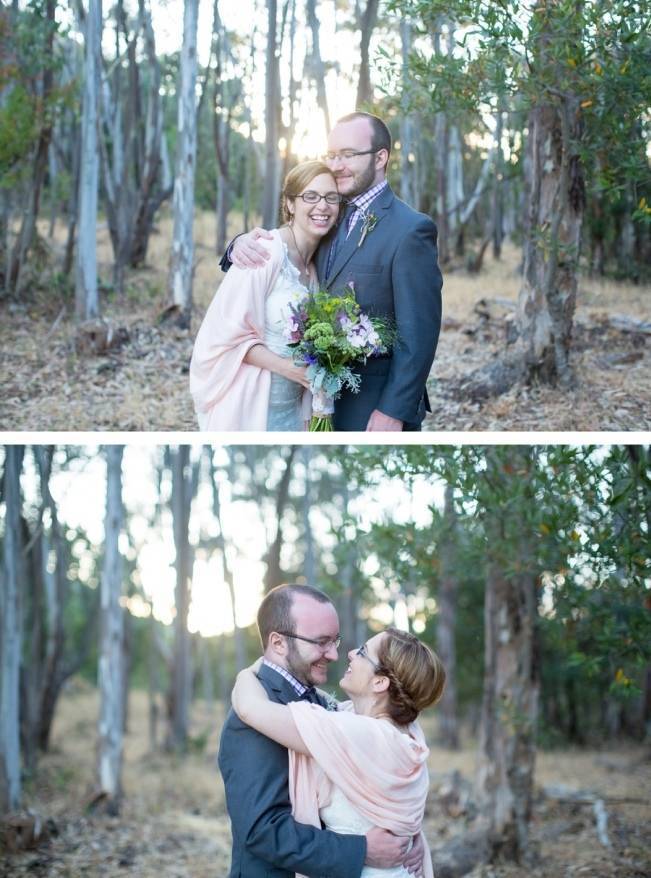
[363, 664]
[320, 217]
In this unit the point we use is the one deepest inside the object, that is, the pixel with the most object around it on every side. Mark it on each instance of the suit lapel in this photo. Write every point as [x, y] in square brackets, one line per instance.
[379, 206]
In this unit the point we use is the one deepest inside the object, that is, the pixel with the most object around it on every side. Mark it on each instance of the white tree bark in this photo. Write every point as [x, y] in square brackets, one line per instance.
[184, 485]
[111, 678]
[10, 636]
[446, 624]
[455, 196]
[408, 166]
[86, 298]
[271, 193]
[309, 564]
[180, 279]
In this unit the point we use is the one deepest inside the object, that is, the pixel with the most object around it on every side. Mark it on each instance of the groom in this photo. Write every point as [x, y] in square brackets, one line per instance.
[389, 252]
[299, 630]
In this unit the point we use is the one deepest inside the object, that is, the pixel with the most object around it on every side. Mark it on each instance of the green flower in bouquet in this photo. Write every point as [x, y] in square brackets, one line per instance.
[329, 335]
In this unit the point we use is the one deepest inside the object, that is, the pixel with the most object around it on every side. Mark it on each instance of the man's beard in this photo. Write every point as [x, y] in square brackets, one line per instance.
[364, 180]
[298, 666]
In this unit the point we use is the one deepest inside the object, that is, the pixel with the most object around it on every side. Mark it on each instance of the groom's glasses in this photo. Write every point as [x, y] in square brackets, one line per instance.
[312, 197]
[323, 643]
[362, 651]
[347, 154]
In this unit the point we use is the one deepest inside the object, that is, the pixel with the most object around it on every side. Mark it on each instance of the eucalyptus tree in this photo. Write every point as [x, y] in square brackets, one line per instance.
[111, 678]
[446, 622]
[366, 21]
[507, 745]
[132, 140]
[271, 192]
[578, 70]
[11, 631]
[86, 291]
[220, 544]
[226, 94]
[185, 479]
[181, 263]
[46, 12]
[30, 101]
[314, 64]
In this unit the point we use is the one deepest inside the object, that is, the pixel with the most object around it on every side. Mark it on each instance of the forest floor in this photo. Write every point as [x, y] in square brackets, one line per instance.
[174, 824]
[50, 383]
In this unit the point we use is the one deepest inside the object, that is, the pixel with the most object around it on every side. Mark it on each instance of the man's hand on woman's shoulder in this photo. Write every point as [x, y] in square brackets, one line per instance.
[246, 252]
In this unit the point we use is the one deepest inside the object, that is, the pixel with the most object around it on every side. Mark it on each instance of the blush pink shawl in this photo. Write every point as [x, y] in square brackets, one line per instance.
[382, 772]
[228, 393]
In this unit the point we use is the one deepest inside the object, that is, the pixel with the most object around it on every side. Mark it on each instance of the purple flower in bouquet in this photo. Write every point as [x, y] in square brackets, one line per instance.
[330, 335]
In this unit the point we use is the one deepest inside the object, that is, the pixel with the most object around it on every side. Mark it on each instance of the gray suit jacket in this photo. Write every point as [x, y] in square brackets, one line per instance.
[267, 841]
[396, 275]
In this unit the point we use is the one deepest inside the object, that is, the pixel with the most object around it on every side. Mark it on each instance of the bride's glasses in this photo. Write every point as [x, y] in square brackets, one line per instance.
[323, 643]
[312, 197]
[362, 651]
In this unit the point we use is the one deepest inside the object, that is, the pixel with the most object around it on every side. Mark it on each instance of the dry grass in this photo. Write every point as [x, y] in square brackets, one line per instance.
[173, 822]
[47, 385]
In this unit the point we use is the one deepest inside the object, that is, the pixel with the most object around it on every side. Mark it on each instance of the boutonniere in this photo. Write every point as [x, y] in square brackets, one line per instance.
[330, 702]
[369, 221]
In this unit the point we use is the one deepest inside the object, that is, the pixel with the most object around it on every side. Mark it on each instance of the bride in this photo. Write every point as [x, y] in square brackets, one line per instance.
[241, 374]
[365, 763]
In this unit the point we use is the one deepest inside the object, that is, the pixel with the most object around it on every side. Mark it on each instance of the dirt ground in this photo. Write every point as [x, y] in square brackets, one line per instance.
[143, 384]
[173, 822]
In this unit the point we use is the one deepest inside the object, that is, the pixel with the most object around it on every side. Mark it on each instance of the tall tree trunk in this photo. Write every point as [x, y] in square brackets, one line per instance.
[454, 177]
[446, 624]
[181, 268]
[153, 682]
[556, 196]
[498, 185]
[155, 181]
[226, 95]
[511, 686]
[271, 192]
[353, 628]
[28, 229]
[110, 665]
[274, 575]
[408, 153]
[442, 139]
[184, 480]
[86, 298]
[316, 65]
[309, 564]
[206, 674]
[73, 200]
[10, 634]
[366, 25]
[227, 575]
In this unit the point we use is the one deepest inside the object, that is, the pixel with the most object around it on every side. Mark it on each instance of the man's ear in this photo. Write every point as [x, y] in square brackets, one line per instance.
[382, 159]
[277, 644]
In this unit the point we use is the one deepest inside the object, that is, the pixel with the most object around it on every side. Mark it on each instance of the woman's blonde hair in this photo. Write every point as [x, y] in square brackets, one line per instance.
[296, 181]
[416, 674]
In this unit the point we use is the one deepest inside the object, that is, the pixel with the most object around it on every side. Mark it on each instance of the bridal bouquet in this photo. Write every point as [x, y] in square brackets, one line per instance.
[330, 334]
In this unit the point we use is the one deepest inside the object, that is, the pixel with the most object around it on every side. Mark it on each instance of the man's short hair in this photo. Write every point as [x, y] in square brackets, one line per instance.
[275, 611]
[380, 136]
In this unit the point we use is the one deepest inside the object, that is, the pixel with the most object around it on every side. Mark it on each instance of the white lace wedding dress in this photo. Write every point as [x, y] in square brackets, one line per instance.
[285, 397]
[340, 816]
